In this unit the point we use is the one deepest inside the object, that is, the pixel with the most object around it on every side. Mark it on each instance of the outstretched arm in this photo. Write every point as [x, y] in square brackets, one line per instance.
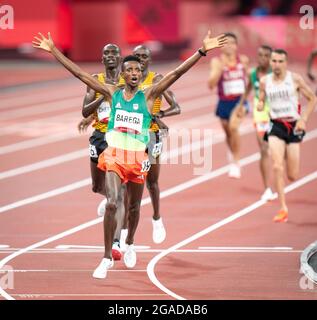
[48, 45]
[209, 43]
[311, 58]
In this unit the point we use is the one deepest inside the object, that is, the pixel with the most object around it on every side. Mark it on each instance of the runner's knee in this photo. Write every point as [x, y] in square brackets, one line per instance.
[111, 207]
[134, 208]
[278, 168]
[97, 188]
[292, 176]
[264, 150]
[151, 185]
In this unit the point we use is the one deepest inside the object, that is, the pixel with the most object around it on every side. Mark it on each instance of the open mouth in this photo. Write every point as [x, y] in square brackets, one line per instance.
[134, 79]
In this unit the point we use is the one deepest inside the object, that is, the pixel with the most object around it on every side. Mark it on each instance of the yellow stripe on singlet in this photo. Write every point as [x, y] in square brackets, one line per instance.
[100, 126]
[148, 81]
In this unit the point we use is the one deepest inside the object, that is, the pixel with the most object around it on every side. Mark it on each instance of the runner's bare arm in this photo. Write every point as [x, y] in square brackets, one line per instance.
[215, 72]
[90, 107]
[90, 103]
[244, 97]
[260, 106]
[209, 43]
[47, 44]
[169, 96]
[310, 61]
[305, 90]
[174, 108]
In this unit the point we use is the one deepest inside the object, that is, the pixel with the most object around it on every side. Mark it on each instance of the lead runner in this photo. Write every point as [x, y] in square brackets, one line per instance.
[128, 134]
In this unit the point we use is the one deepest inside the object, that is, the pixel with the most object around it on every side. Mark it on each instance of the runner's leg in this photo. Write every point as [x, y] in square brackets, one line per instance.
[292, 160]
[135, 191]
[278, 149]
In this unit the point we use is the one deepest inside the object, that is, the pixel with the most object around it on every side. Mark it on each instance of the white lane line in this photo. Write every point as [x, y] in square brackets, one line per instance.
[52, 138]
[2, 246]
[85, 251]
[85, 182]
[31, 143]
[213, 227]
[46, 195]
[72, 91]
[77, 246]
[81, 153]
[43, 108]
[40, 295]
[50, 124]
[246, 248]
[164, 194]
[68, 270]
[45, 163]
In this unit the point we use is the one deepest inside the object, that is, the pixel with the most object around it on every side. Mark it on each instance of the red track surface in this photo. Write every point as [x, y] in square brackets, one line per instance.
[32, 112]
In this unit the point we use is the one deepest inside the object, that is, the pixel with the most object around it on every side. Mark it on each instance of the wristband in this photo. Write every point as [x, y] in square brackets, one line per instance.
[202, 53]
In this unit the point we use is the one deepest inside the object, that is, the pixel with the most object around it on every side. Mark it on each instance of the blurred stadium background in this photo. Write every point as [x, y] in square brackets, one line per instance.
[171, 28]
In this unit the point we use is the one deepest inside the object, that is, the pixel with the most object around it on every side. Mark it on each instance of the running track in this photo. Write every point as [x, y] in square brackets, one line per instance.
[221, 241]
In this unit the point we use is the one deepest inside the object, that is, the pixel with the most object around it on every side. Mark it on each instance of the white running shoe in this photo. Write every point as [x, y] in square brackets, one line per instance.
[234, 171]
[159, 233]
[102, 208]
[268, 195]
[130, 256]
[101, 270]
[123, 237]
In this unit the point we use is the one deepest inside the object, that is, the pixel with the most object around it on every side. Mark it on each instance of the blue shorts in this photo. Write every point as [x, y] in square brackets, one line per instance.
[225, 107]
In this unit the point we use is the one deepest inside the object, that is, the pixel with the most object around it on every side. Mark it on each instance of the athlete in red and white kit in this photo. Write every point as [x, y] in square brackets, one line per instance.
[281, 88]
[229, 73]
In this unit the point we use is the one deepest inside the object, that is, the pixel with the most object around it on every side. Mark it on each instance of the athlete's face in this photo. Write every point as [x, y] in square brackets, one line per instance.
[278, 63]
[111, 56]
[144, 55]
[131, 73]
[264, 56]
[231, 46]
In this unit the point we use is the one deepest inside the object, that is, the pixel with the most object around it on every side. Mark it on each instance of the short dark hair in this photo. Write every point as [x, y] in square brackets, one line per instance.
[266, 47]
[280, 51]
[231, 35]
[129, 58]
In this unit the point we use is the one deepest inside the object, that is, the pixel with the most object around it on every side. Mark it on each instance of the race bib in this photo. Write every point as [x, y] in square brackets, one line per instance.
[146, 165]
[128, 121]
[103, 111]
[233, 87]
[93, 151]
[157, 149]
[262, 126]
[283, 111]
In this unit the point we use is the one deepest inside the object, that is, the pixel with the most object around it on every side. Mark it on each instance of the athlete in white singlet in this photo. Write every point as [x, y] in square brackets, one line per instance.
[281, 89]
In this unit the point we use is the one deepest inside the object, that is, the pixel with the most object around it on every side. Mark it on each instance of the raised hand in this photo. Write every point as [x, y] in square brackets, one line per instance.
[210, 43]
[43, 43]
